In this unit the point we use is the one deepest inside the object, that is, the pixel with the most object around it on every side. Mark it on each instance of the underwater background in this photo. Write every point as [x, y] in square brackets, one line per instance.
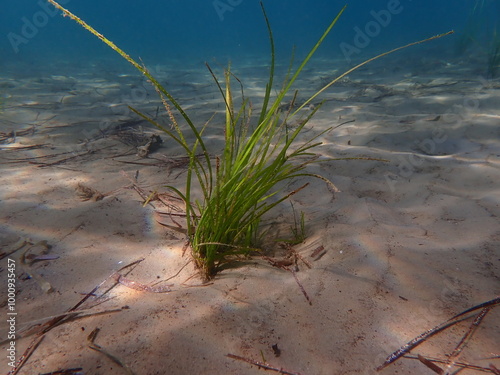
[195, 31]
[409, 239]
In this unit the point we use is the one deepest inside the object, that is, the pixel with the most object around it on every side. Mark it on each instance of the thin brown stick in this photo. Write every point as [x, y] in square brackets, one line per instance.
[494, 369]
[27, 353]
[262, 365]
[73, 312]
[417, 341]
[92, 345]
[297, 254]
[490, 303]
[285, 265]
[178, 272]
[62, 160]
[443, 361]
[68, 371]
[439, 328]
[300, 286]
[430, 364]
[71, 316]
[61, 319]
[465, 339]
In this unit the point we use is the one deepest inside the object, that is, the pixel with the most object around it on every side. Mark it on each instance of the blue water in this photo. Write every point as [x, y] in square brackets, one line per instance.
[195, 31]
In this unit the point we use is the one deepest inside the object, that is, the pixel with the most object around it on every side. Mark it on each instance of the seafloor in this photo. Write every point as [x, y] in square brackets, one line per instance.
[410, 239]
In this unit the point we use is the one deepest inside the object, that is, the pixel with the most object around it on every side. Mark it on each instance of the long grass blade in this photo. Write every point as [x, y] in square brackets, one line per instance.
[319, 92]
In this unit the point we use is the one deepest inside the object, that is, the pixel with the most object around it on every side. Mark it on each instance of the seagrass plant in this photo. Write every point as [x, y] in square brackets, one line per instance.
[494, 55]
[477, 31]
[240, 185]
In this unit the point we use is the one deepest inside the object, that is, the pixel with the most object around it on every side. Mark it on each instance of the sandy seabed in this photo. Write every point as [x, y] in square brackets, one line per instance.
[407, 243]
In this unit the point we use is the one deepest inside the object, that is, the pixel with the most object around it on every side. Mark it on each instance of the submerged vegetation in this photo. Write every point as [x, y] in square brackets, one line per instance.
[494, 56]
[481, 32]
[239, 185]
[3, 98]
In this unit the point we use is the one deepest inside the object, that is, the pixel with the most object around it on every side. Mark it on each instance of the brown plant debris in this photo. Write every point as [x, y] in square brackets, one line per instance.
[10, 137]
[17, 246]
[465, 339]
[68, 371]
[289, 263]
[262, 365]
[318, 253]
[86, 193]
[462, 365]
[69, 315]
[26, 355]
[31, 255]
[451, 361]
[430, 364]
[92, 345]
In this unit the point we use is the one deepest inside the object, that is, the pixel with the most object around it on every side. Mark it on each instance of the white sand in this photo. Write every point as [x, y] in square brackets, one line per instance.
[410, 242]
